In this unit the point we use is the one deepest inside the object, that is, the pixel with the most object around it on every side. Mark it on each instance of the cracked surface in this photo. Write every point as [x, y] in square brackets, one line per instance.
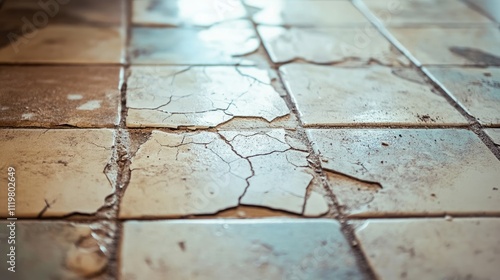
[334, 96]
[60, 172]
[418, 171]
[494, 134]
[191, 250]
[205, 172]
[200, 97]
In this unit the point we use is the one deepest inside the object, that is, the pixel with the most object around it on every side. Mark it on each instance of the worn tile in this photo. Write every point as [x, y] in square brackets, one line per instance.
[200, 96]
[316, 205]
[417, 12]
[494, 134]
[319, 13]
[58, 96]
[178, 174]
[377, 172]
[186, 12]
[329, 45]
[477, 90]
[52, 250]
[491, 8]
[58, 172]
[224, 43]
[334, 96]
[244, 249]
[77, 32]
[432, 248]
[452, 46]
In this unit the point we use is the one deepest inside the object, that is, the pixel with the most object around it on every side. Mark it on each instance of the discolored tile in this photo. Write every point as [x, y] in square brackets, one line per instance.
[330, 45]
[476, 90]
[432, 248]
[52, 250]
[336, 96]
[58, 172]
[378, 172]
[186, 12]
[494, 134]
[58, 96]
[200, 96]
[452, 46]
[225, 43]
[245, 249]
[179, 174]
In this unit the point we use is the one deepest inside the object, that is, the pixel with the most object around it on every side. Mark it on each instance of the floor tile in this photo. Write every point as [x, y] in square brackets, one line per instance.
[224, 43]
[186, 12]
[58, 96]
[477, 90]
[491, 8]
[452, 46]
[494, 134]
[51, 250]
[179, 174]
[425, 12]
[319, 13]
[200, 96]
[329, 45]
[58, 172]
[432, 248]
[259, 249]
[409, 171]
[335, 96]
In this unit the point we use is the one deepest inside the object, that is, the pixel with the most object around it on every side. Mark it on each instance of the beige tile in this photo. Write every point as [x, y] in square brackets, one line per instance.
[55, 96]
[58, 172]
[330, 45]
[432, 248]
[319, 13]
[224, 43]
[476, 90]
[316, 205]
[409, 171]
[336, 96]
[229, 249]
[425, 12]
[494, 134]
[449, 46]
[186, 12]
[52, 250]
[200, 96]
[205, 172]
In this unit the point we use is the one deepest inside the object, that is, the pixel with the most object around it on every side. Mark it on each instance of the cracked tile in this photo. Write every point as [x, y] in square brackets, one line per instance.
[200, 97]
[39, 96]
[334, 96]
[225, 43]
[330, 45]
[319, 13]
[186, 12]
[273, 249]
[205, 172]
[452, 46]
[494, 134]
[476, 90]
[316, 205]
[430, 248]
[52, 250]
[394, 172]
[64, 170]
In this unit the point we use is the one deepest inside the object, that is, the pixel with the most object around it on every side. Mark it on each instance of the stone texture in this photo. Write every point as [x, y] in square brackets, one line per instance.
[452, 46]
[58, 96]
[494, 134]
[186, 12]
[334, 96]
[476, 90]
[409, 172]
[259, 249]
[330, 45]
[58, 172]
[432, 248]
[205, 172]
[224, 43]
[200, 96]
[52, 250]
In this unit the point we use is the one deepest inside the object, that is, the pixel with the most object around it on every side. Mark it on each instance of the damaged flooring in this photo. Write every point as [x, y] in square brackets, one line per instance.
[252, 139]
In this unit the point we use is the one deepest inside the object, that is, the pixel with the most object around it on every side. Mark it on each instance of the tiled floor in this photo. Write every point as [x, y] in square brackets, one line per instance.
[252, 139]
